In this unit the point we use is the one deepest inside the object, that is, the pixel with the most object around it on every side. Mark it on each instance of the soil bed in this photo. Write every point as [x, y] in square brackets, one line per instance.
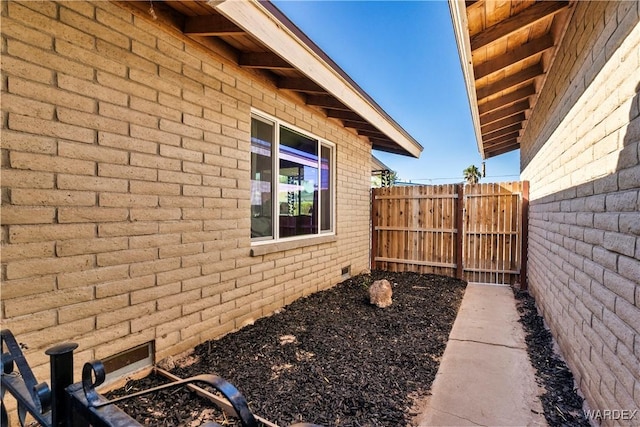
[330, 358]
[560, 401]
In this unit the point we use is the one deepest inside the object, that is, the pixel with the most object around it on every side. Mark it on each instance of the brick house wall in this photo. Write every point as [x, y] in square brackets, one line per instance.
[126, 186]
[581, 155]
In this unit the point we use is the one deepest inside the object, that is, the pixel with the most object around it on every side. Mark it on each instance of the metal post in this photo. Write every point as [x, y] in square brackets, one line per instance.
[61, 364]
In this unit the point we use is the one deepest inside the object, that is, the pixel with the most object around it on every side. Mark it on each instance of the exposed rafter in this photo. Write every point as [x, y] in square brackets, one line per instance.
[503, 123]
[501, 139]
[370, 133]
[362, 127]
[345, 115]
[501, 132]
[210, 25]
[504, 112]
[506, 49]
[524, 19]
[300, 84]
[515, 55]
[520, 77]
[326, 101]
[266, 60]
[507, 99]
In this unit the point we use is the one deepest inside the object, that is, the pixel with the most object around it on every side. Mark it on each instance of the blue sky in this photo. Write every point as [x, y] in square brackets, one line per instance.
[403, 54]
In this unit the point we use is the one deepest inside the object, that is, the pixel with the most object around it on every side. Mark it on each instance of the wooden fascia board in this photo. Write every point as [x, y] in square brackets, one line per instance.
[261, 24]
[458, 11]
[524, 19]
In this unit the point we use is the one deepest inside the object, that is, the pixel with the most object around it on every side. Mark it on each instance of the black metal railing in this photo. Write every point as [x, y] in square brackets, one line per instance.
[69, 404]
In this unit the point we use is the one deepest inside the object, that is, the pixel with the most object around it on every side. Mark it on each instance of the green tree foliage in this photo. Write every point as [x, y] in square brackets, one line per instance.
[472, 174]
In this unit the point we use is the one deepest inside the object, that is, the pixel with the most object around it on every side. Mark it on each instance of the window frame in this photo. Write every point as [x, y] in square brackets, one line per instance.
[275, 182]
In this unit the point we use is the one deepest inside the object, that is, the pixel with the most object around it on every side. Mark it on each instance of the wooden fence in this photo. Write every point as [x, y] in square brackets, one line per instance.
[473, 232]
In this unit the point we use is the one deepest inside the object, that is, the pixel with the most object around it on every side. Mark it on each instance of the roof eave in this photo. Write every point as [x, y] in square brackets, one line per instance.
[278, 35]
[461, 31]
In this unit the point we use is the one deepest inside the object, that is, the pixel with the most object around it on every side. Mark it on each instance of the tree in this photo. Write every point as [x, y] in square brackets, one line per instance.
[393, 178]
[472, 174]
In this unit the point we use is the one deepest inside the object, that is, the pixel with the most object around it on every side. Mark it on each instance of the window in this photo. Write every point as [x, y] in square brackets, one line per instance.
[291, 182]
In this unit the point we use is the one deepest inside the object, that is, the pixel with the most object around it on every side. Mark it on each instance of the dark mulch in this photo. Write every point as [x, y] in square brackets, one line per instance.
[335, 360]
[332, 358]
[561, 403]
[169, 407]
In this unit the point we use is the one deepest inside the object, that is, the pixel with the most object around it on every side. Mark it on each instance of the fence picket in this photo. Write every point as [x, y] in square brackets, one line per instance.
[474, 232]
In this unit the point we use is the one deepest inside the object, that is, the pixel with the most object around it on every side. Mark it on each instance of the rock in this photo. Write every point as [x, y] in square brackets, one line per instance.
[380, 293]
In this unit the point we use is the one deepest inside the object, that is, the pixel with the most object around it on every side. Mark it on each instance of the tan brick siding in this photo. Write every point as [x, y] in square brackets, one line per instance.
[581, 156]
[125, 186]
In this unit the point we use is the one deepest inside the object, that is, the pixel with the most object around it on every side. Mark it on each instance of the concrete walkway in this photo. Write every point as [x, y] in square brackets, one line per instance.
[485, 377]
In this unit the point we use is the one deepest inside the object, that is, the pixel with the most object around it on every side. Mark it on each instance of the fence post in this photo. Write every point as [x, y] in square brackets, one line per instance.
[61, 365]
[525, 236]
[374, 235]
[459, 233]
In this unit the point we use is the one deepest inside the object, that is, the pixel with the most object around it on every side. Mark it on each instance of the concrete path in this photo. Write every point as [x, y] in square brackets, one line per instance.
[485, 377]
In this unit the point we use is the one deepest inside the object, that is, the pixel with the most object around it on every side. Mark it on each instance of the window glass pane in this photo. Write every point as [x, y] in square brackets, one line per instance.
[298, 184]
[326, 190]
[262, 136]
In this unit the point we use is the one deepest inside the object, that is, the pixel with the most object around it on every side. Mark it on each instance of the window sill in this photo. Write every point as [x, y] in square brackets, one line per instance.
[269, 248]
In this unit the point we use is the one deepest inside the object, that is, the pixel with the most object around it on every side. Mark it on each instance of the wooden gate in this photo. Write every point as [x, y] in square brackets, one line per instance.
[473, 232]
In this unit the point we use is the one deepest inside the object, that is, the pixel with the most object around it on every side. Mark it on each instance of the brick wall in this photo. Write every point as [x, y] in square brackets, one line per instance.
[580, 154]
[125, 186]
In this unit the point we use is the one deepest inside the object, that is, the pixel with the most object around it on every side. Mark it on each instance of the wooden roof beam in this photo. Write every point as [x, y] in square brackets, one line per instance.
[514, 56]
[265, 24]
[210, 25]
[524, 19]
[501, 139]
[300, 84]
[505, 149]
[326, 101]
[266, 60]
[384, 145]
[504, 112]
[501, 132]
[510, 98]
[359, 126]
[370, 133]
[520, 77]
[502, 148]
[345, 115]
[502, 123]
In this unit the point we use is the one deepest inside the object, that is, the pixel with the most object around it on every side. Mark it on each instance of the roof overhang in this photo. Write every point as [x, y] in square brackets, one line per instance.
[506, 50]
[377, 165]
[258, 36]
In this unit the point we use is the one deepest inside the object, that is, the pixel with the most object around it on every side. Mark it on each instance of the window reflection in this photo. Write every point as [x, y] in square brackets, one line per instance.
[298, 184]
[262, 136]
